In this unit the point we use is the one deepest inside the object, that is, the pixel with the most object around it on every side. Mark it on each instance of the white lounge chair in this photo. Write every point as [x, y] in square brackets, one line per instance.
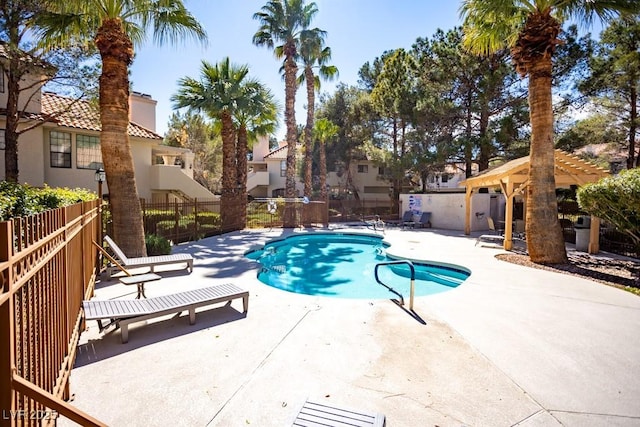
[496, 238]
[124, 312]
[148, 261]
[321, 414]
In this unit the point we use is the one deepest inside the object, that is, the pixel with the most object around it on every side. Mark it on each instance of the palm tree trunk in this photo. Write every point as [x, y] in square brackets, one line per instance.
[241, 162]
[544, 235]
[323, 171]
[308, 143]
[633, 116]
[116, 51]
[228, 200]
[290, 71]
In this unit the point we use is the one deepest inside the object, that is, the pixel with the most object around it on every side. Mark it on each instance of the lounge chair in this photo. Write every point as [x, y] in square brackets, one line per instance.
[124, 312]
[320, 414]
[425, 220]
[496, 238]
[376, 223]
[407, 219]
[148, 261]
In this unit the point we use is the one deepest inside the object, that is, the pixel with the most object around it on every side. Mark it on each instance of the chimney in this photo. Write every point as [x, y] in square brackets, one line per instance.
[260, 148]
[142, 110]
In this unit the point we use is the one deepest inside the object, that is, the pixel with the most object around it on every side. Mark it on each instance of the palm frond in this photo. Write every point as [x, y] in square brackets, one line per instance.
[489, 26]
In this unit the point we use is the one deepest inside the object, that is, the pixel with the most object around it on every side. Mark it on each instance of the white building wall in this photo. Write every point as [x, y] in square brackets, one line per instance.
[448, 209]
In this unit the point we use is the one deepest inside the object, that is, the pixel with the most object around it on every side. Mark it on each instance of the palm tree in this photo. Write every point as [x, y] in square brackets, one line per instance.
[115, 26]
[313, 54]
[281, 23]
[530, 29]
[323, 131]
[221, 91]
[258, 115]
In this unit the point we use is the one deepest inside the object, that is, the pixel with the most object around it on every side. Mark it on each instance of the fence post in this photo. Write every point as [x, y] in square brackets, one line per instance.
[176, 223]
[195, 217]
[7, 334]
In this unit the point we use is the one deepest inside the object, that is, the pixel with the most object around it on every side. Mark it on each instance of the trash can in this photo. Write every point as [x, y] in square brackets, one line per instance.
[582, 227]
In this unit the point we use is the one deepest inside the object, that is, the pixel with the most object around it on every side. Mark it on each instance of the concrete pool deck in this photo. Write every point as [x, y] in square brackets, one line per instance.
[511, 346]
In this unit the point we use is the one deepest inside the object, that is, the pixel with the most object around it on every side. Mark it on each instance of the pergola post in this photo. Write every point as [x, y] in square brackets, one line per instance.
[594, 235]
[508, 214]
[467, 210]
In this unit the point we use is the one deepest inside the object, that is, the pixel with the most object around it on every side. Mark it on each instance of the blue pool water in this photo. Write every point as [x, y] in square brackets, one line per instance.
[342, 265]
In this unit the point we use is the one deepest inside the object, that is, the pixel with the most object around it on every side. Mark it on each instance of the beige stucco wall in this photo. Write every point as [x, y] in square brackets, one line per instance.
[276, 181]
[30, 157]
[142, 110]
[28, 97]
[448, 209]
[260, 148]
[362, 181]
[35, 166]
[142, 160]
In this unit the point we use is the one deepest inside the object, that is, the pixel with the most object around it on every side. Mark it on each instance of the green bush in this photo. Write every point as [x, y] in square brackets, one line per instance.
[617, 200]
[157, 245]
[209, 218]
[165, 228]
[155, 215]
[22, 200]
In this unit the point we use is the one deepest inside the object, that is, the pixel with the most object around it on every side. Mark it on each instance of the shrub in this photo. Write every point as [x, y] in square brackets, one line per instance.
[22, 200]
[157, 245]
[209, 218]
[617, 200]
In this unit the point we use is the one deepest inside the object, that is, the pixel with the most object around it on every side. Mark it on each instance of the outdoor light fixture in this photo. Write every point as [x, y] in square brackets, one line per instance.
[100, 176]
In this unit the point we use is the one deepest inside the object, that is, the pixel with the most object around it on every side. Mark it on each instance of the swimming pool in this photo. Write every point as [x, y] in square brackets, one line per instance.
[342, 265]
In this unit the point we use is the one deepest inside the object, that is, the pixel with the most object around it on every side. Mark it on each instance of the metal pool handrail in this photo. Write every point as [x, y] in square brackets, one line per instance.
[413, 279]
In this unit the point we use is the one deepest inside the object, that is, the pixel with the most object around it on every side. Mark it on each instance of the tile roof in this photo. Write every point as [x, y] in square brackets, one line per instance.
[281, 152]
[25, 57]
[81, 114]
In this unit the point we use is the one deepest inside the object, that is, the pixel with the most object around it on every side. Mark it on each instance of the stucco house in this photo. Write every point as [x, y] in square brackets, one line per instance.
[267, 175]
[449, 178]
[63, 150]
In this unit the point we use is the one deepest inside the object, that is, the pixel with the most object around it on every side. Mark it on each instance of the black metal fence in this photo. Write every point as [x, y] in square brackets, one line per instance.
[187, 221]
[193, 220]
[611, 240]
[358, 210]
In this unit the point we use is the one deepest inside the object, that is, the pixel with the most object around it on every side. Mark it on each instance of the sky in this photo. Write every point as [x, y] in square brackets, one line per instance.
[357, 31]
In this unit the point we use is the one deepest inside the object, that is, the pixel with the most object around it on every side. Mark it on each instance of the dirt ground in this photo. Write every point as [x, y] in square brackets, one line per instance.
[616, 272]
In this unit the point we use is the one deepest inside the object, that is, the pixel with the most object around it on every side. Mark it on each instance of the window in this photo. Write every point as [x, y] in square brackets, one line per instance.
[88, 155]
[363, 168]
[1, 80]
[283, 168]
[60, 149]
[444, 178]
[2, 144]
[381, 170]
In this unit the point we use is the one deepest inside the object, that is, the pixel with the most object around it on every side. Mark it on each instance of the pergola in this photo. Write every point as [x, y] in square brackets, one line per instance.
[513, 178]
